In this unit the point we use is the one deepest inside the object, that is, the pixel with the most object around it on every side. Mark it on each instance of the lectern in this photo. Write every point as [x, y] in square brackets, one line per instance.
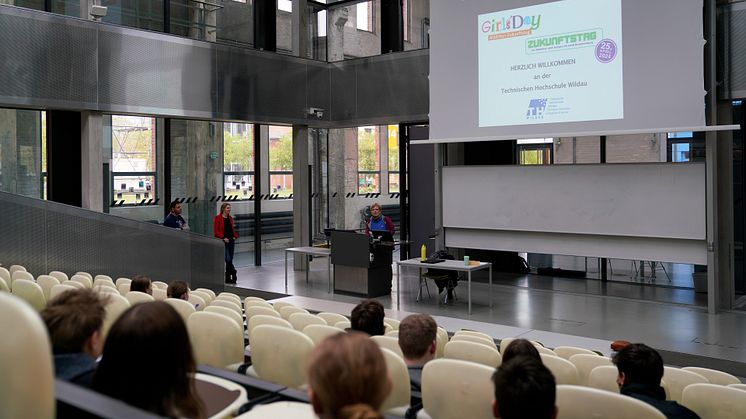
[361, 266]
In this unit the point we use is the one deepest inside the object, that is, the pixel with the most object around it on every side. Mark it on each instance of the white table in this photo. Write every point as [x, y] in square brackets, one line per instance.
[447, 265]
[310, 251]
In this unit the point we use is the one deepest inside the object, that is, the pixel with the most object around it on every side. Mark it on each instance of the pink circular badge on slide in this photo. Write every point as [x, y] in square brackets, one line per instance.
[606, 51]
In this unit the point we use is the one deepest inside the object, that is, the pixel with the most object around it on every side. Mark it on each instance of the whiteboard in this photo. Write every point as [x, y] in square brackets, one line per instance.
[657, 200]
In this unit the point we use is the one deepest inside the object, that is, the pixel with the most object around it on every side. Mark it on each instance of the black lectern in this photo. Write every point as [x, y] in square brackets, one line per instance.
[355, 271]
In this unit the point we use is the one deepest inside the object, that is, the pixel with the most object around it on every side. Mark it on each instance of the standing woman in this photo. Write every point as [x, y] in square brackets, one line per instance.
[224, 228]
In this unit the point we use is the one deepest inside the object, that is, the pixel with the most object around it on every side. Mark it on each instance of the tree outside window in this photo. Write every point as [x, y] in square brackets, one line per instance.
[281, 161]
[238, 160]
[368, 160]
[393, 151]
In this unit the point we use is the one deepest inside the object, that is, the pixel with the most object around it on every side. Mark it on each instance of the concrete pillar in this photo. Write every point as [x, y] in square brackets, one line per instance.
[91, 147]
[301, 34]
[335, 33]
[301, 192]
[336, 175]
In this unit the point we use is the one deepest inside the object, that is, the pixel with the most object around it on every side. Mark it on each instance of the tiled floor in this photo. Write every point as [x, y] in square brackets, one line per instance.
[552, 310]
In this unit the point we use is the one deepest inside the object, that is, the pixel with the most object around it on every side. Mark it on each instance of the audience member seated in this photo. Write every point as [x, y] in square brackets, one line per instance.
[142, 283]
[74, 320]
[520, 347]
[148, 362]
[640, 371]
[524, 388]
[417, 334]
[179, 290]
[347, 377]
[368, 317]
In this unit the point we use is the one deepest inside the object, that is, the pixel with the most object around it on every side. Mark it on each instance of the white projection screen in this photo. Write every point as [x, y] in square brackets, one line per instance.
[531, 68]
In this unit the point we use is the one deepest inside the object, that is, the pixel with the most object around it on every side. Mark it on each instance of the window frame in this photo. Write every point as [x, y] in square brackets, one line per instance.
[150, 173]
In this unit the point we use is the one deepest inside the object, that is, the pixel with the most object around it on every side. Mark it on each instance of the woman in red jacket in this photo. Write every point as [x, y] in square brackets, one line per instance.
[224, 228]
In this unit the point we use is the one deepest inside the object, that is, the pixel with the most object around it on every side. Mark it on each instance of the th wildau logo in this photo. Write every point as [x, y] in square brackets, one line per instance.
[514, 22]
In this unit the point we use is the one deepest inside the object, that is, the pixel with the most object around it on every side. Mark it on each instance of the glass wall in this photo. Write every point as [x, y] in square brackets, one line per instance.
[133, 159]
[416, 17]
[281, 161]
[368, 160]
[142, 14]
[393, 160]
[21, 136]
[235, 22]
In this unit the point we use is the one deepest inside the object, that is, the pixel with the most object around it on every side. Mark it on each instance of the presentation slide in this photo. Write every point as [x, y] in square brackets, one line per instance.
[549, 63]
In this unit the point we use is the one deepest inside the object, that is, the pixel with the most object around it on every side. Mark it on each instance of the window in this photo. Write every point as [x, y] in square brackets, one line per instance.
[393, 151]
[281, 161]
[285, 5]
[238, 160]
[680, 146]
[364, 19]
[368, 160]
[133, 159]
[535, 151]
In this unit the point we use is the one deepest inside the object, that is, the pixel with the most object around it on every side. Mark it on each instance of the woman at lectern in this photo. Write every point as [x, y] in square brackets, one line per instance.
[378, 221]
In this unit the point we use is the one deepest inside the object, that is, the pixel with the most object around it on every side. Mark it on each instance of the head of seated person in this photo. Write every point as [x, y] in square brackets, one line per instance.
[142, 283]
[368, 317]
[74, 320]
[347, 377]
[520, 347]
[640, 370]
[148, 363]
[178, 289]
[417, 334]
[524, 388]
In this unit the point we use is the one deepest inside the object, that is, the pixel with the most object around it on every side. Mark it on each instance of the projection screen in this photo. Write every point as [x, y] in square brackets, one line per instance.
[532, 68]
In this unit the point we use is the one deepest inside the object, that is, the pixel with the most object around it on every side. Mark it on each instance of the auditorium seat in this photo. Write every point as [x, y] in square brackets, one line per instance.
[301, 320]
[16, 268]
[229, 295]
[464, 332]
[441, 338]
[4, 285]
[157, 284]
[261, 319]
[256, 303]
[678, 379]
[75, 284]
[27, 385]
[564, 371]
[476, 339]
[394, 334]
[122, 280]
[82, 279]
[389, 343]
[264, 311]
[217, 340]
[104, 277]
[20, 275]
[397, 402]
[319, 332]
[59, 289]
[568, 351]
[5, 275]
[137, 297]
[578, 402]
[207, 290]
[286, 311]
[280, 355]
[114, 308]
[713, 401]
[85, 274]
[714, 376]
[227, 312]
[159, 294]
[183, 307]
[61, 276]
[473, 352]
[30, 292]
[332, 318]
[452, 388]
[277, 305]
[586, 363]
[103, 282]
[603, 378]
[391, 322]
[46, 282]
[252, 298]
[229, 304]
[738, 386]
[203, 295]
[344, 324]
[197, 302]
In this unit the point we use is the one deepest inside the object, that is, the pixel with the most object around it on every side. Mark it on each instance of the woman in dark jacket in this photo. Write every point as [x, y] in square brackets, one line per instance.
[224, 228]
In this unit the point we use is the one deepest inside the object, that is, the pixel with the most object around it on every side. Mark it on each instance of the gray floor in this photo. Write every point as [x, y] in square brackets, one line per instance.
[575, 308]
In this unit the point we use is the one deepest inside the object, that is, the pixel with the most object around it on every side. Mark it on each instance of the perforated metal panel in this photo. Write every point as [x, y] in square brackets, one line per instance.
[45, 236]
[731, 28]
[46, 59]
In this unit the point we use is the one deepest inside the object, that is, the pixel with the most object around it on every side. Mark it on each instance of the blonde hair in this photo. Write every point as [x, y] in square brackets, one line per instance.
[348, 377]
[376, 204]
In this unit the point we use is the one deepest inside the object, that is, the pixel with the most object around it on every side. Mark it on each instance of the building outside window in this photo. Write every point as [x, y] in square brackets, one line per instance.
[281, 161]
[535, 151]
[238, 160]
[133, 156]
[368, 160]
